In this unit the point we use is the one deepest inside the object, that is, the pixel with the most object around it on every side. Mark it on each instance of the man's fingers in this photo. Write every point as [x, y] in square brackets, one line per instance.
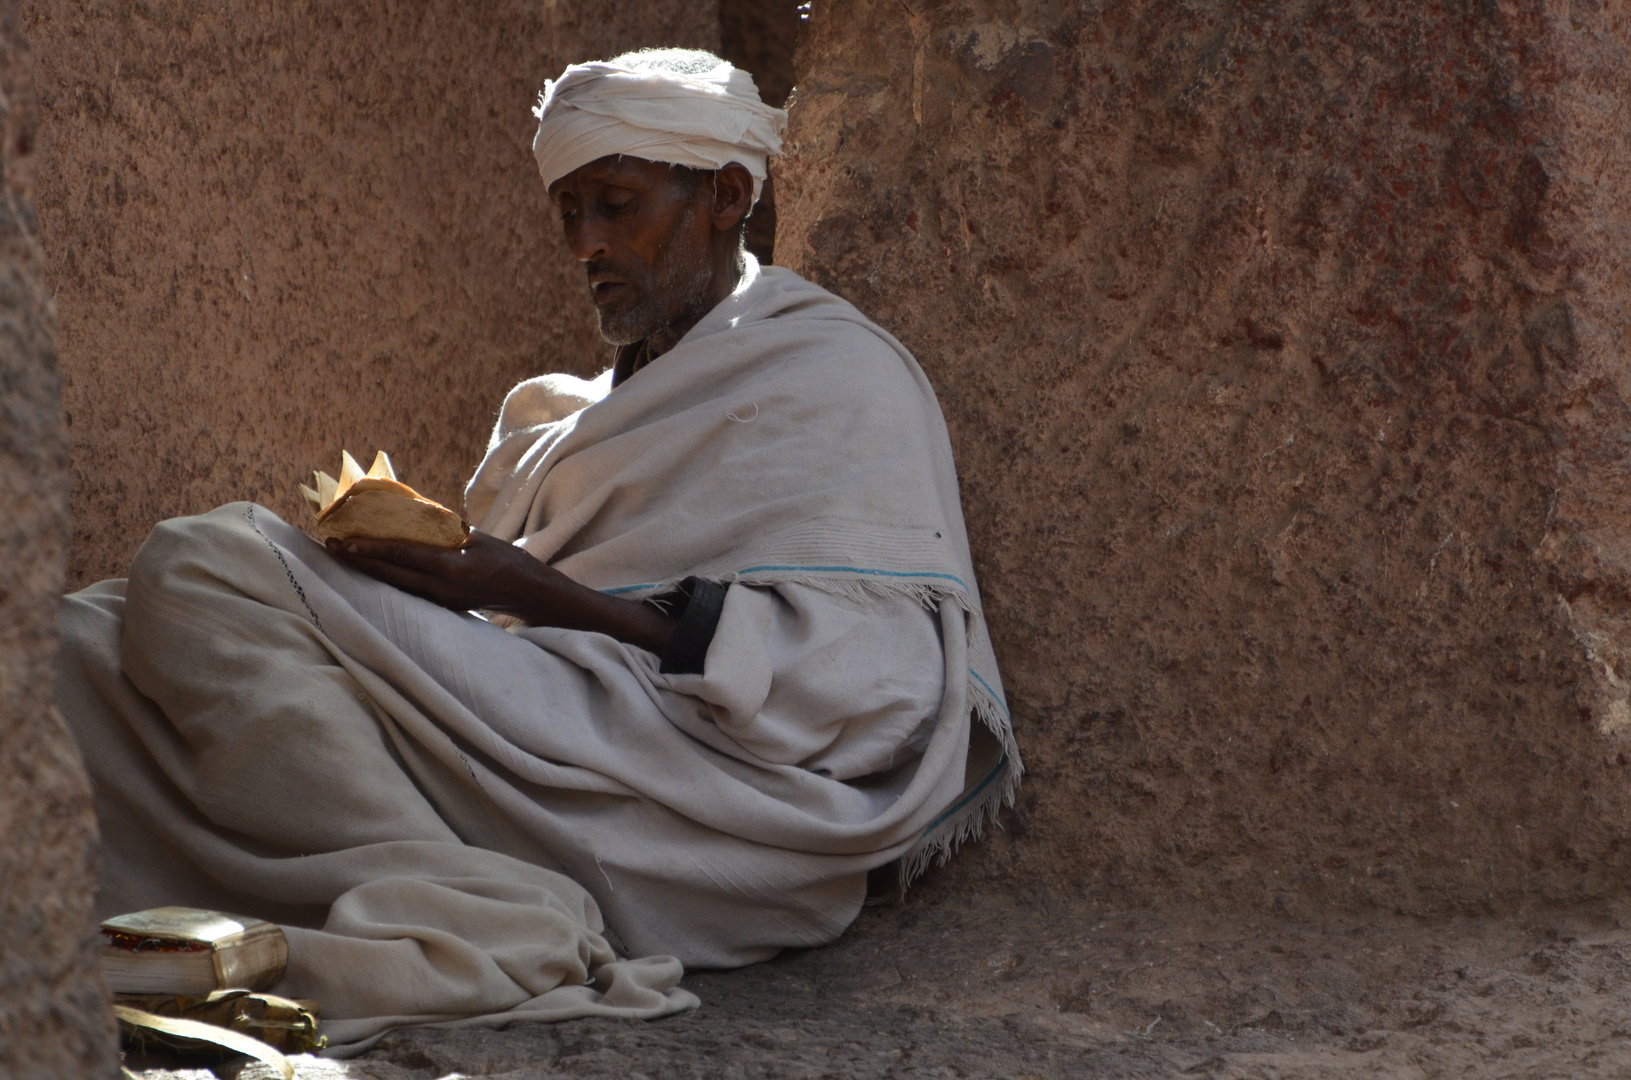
[463, 579]
[406, 578]
[392, 573]
[400, 552]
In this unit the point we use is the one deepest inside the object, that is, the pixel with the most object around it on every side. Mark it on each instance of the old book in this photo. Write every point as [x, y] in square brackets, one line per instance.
[377, 506]
[181, 950]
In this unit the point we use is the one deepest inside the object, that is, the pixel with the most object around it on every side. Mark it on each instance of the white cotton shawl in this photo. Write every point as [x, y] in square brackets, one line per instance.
[785, 439]
[444, 816]
[704, 120]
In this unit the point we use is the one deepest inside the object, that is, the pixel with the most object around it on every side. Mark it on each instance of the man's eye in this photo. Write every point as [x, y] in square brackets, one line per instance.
[620, 206]
[568, 216]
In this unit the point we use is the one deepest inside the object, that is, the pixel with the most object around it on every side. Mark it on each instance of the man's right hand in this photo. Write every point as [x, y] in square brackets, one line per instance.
[488, 574]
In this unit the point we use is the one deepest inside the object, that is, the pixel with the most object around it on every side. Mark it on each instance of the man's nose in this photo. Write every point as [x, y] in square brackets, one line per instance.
[586, 239]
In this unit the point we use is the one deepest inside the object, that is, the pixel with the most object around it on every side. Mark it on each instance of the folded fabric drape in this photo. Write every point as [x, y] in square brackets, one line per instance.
[787, 439]
[456, 824]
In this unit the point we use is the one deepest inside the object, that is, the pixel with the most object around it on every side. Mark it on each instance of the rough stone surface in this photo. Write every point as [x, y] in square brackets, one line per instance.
[1280, 344]
[277, 229]
[53, 1016]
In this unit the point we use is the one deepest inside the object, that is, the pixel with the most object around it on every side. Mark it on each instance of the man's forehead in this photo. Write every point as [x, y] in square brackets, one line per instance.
[610, 169]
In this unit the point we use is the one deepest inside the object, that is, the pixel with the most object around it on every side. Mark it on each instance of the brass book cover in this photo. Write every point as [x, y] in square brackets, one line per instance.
[181, 950]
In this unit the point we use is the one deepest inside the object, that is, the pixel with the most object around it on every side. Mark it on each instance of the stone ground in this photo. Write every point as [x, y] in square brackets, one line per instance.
[990, 986]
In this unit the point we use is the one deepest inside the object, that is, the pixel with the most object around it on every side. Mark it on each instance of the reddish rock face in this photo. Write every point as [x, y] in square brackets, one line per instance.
[54, 1014]
[278, 230]
[1281, 349]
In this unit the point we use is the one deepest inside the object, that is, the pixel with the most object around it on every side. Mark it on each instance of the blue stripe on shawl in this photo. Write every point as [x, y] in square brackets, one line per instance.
[994, 695]
[996, 770]
[621, 589]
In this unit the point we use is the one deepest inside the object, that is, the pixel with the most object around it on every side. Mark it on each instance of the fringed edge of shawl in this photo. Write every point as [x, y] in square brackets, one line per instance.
[967, 818]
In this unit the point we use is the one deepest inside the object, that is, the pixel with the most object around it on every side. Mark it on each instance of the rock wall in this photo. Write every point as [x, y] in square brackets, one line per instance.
[1280, 345]
[54, 1019]
[278, 229]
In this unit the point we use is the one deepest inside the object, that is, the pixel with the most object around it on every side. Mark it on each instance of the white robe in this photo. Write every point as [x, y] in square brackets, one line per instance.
[443, 812]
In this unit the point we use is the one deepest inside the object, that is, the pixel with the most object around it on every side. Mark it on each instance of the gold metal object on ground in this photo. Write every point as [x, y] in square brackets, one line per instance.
[284, 1024]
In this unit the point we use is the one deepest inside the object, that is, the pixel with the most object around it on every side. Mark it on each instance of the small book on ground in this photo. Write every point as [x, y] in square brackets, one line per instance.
[182, 950]
[377, 506]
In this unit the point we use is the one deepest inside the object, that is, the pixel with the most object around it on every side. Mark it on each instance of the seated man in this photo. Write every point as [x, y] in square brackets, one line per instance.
[730, 660]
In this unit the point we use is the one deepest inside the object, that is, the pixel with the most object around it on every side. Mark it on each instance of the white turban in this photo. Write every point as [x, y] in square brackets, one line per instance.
[704, 120]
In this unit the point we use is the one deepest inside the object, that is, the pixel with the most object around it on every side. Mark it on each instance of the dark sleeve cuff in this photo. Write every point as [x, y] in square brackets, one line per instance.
[698, 604]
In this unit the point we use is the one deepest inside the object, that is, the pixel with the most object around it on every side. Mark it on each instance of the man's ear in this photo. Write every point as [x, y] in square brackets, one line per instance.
[730, 197]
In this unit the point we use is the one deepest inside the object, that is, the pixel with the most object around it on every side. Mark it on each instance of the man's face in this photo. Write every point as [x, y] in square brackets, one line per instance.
[643, 239]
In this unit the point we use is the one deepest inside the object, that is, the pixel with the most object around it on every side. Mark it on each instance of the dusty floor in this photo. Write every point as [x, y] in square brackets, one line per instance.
[986, 986]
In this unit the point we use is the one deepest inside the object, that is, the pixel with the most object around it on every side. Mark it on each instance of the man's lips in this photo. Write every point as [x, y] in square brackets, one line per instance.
[605, 287]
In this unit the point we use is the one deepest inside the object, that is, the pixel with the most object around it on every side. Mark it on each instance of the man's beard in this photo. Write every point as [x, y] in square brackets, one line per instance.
[674, 276]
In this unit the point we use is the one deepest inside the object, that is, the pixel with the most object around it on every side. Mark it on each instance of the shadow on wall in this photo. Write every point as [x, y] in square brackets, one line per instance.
[760, 38]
